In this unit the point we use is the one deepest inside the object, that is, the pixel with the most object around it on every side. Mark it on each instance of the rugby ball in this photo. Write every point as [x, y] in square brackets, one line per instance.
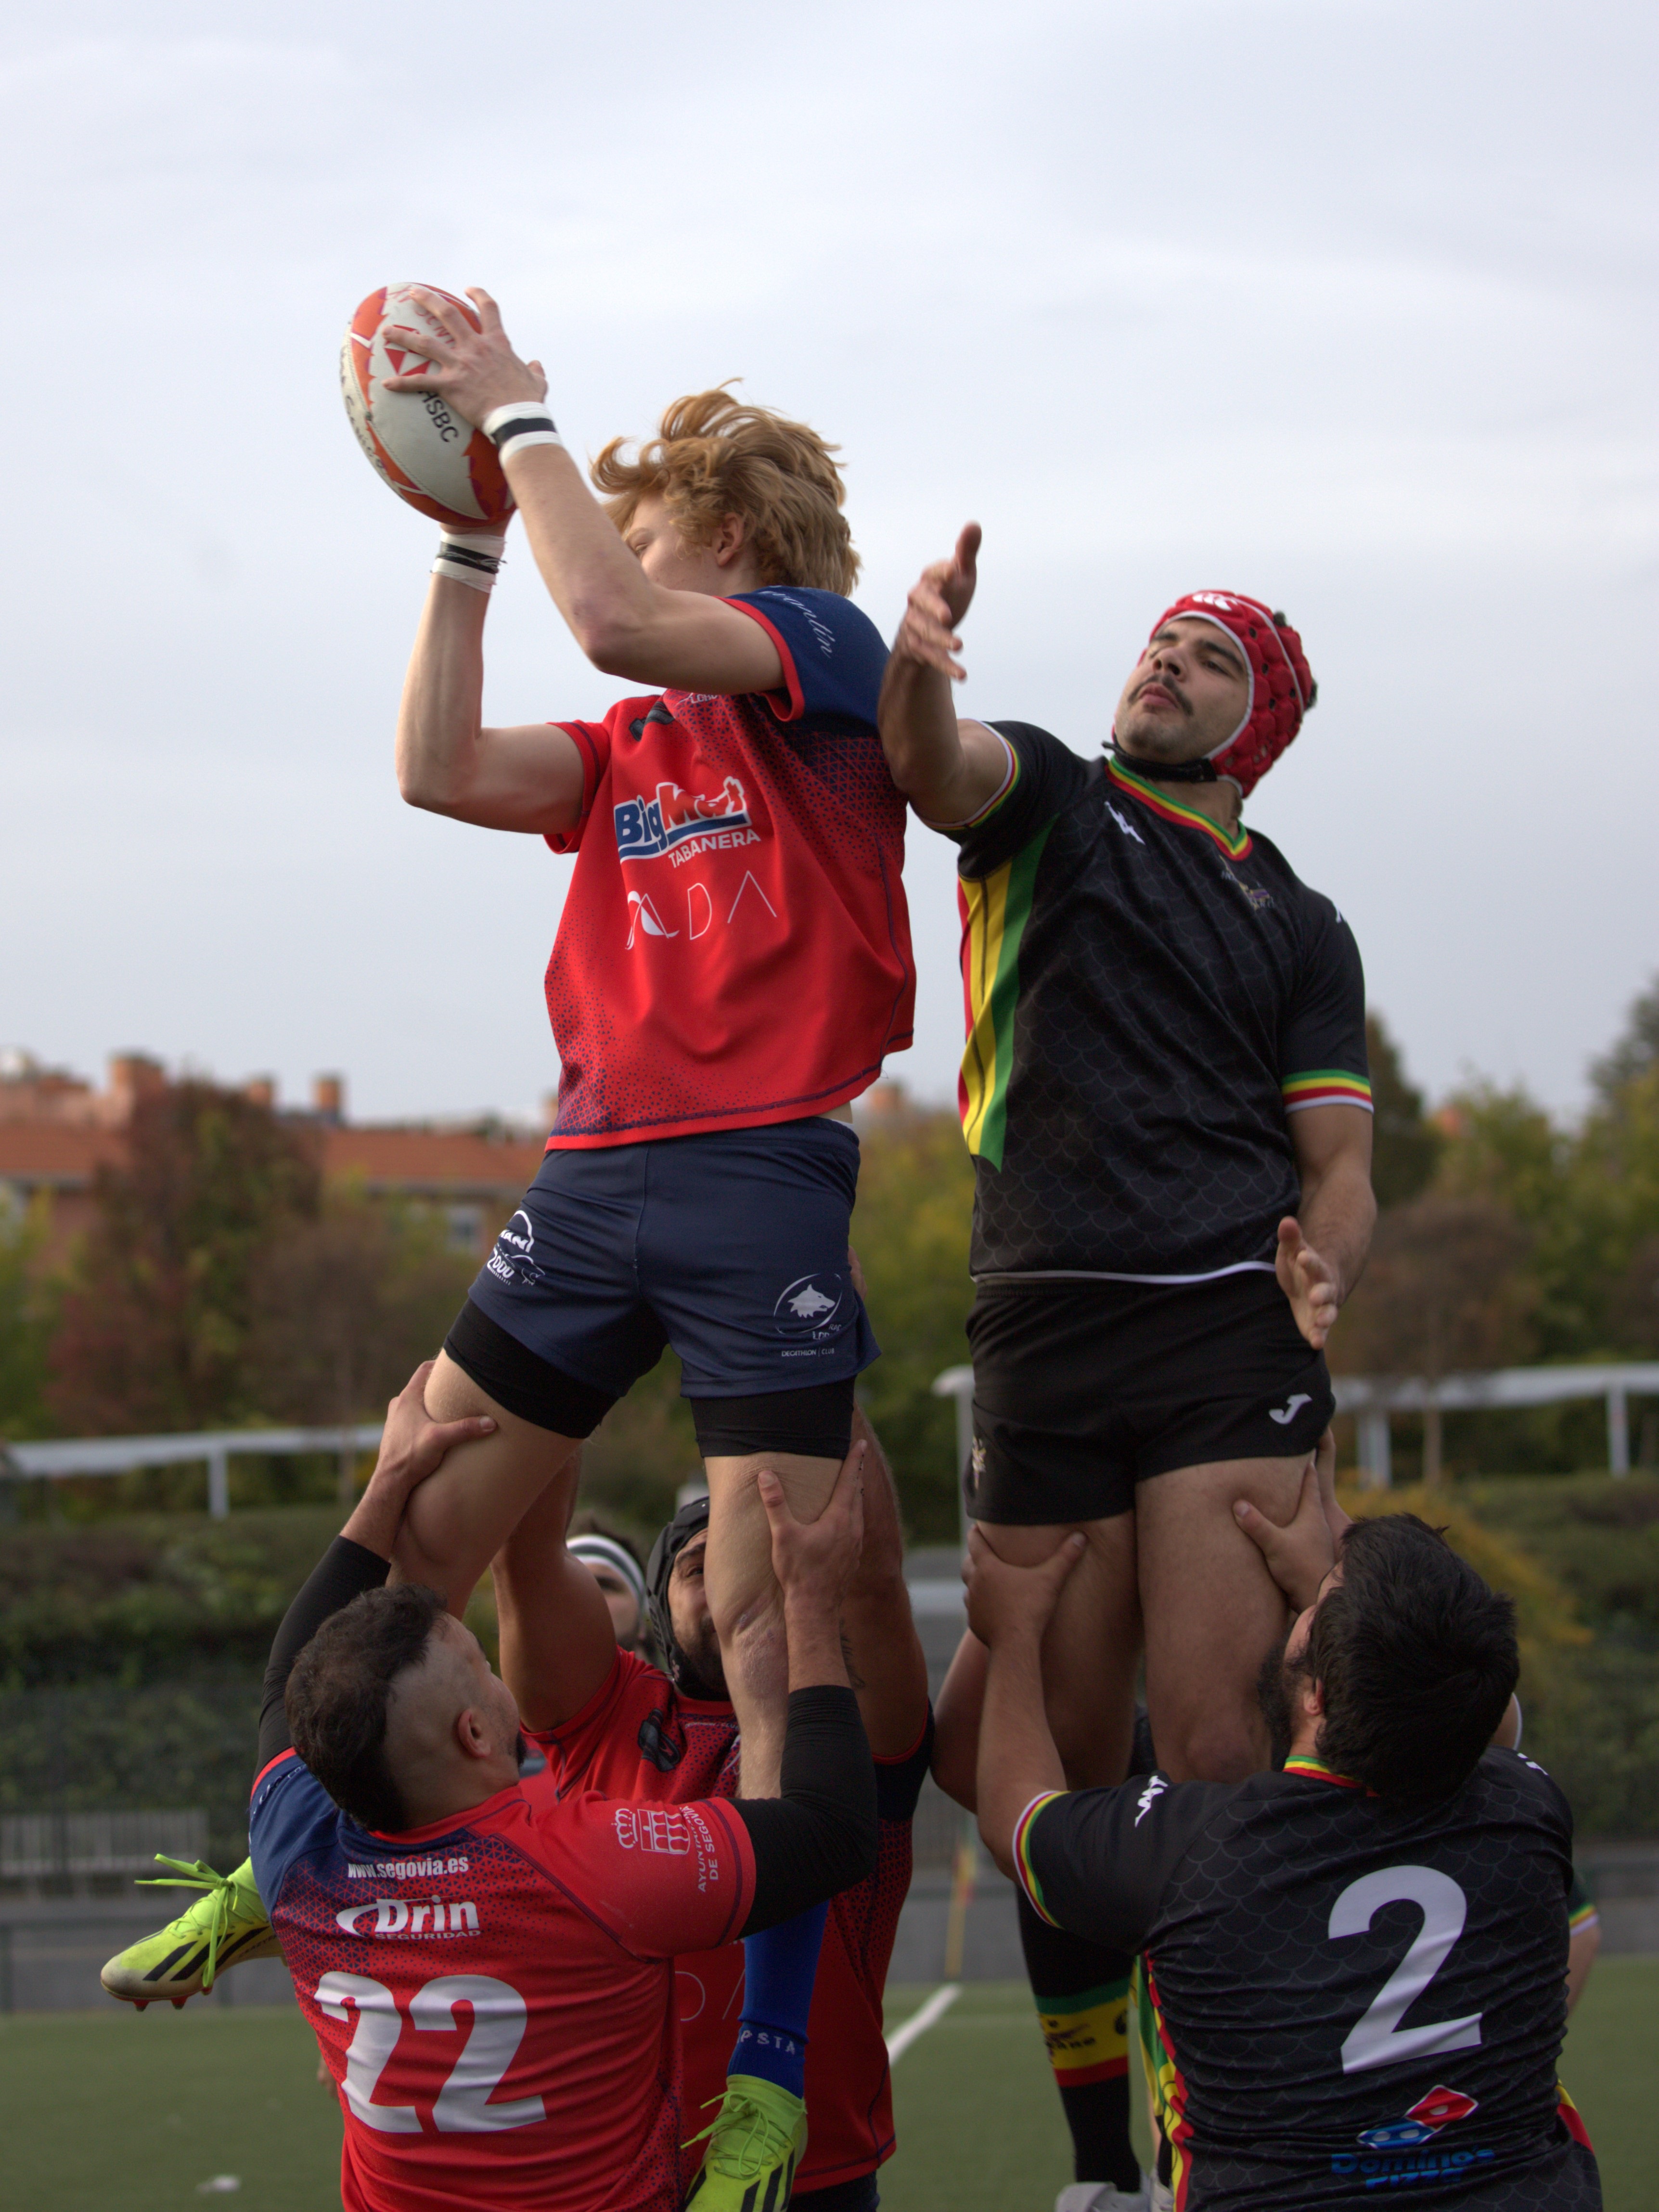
[415, 443]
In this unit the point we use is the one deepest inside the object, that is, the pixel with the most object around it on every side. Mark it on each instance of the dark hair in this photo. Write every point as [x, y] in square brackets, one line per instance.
[341, 1685]
[1417, 1660]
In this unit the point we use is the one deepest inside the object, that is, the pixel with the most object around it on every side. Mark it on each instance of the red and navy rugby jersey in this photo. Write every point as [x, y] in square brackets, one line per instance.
[735, 947]
[638, 1737]
[493, 1994]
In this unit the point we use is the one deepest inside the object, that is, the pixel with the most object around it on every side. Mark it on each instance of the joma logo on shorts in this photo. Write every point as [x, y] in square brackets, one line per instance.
[402, 1916]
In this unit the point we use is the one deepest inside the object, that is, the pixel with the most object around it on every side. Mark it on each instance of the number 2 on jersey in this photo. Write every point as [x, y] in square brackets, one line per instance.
[463, 2106]
[1377, 2038]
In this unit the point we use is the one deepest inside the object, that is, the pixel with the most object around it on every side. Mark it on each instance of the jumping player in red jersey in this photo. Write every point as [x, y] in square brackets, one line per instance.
[607, 1720]
[491, 1980]
[731, 966]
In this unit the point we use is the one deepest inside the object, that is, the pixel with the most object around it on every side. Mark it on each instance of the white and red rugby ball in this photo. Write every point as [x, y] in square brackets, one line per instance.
[415, 442]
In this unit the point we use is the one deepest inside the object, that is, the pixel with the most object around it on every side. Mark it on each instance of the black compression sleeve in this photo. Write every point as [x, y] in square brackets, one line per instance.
[344, 1570]
[819, 1837]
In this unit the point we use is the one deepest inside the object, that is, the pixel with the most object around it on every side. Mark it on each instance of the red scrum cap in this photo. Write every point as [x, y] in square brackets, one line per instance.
[1282, 688]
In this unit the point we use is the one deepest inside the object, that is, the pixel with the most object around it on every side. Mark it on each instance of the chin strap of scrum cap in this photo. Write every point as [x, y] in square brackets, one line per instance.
[1193, 771]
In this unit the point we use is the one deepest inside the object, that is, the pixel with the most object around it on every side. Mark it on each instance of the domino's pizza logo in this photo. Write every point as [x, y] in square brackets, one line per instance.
[1422, 2123]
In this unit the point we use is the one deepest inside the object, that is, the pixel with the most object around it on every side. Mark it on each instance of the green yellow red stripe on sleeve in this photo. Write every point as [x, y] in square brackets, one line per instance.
[1326, 1086]
[1028, 1881]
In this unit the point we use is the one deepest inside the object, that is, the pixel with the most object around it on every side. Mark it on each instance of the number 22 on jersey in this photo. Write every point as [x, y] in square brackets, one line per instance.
[462, 2106]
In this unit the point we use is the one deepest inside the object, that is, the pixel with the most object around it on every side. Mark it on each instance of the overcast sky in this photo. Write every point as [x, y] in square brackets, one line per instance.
[1348, 304]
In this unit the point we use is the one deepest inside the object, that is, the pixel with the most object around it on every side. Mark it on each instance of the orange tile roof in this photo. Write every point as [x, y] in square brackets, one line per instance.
[430, 1159]
[58, 1152]
[66, 1155]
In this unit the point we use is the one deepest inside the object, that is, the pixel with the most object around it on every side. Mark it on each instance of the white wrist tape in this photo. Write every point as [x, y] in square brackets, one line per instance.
[470, 557]
[520, 422]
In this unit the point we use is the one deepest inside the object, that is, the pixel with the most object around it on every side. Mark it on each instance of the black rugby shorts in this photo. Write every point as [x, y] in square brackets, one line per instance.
[1082, 1390]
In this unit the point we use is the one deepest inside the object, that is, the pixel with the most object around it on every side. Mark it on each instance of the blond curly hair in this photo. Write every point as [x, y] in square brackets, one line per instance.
[712, 456]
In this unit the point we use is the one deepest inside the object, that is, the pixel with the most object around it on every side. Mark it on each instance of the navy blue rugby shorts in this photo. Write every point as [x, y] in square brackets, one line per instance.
[730, 1247]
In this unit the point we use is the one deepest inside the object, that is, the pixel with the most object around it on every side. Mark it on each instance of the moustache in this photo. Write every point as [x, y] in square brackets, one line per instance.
[1165, 684]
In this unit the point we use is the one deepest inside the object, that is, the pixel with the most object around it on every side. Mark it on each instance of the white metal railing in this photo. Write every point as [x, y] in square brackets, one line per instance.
[1373, 1399]
[44, 1846]
[122, 1455]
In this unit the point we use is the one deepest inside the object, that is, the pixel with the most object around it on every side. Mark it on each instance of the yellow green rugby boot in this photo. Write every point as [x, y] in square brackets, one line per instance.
[755, 2141]
[225, 1925]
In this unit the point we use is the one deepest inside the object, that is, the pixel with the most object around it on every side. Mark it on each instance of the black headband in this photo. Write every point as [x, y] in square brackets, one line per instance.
[691, 1521]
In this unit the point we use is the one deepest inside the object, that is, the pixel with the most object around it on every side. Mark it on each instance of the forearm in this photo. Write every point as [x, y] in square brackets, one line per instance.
[817, 1657]
[818, 1836]
[594, 580]
[1017, 1759]
[349, 1567]
[439, 721]
[890, 1670]
[957, 1714]
[917, 718]
[1337, 1214]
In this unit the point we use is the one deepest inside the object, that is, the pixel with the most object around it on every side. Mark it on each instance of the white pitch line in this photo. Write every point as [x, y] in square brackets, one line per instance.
[918, 2022]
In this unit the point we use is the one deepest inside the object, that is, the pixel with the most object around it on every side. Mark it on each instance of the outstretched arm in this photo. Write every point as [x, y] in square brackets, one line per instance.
[950, 771]
[411, 1447]
[528, 778]
[557, 1644]
[889, 1672]
[690, 641]
[1323, 1250]
[817, 1836]
[1008, 1609]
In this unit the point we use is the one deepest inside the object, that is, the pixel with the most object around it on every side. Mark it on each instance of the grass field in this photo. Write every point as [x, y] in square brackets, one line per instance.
[118, 2113]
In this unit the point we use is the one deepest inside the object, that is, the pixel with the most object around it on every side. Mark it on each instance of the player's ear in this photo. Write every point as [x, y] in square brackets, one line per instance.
[729, 539]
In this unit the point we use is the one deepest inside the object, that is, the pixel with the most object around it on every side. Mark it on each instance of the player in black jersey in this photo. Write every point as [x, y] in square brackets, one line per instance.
[1166, 1091]
[1358, 1961]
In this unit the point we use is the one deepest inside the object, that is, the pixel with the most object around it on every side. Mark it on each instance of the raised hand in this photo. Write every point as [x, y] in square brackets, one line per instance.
[816, 1561]
[412, 1446]
[937, 604]
[1300, 1553]
[473, 371]
[1006, 1602]
[1308, 1282]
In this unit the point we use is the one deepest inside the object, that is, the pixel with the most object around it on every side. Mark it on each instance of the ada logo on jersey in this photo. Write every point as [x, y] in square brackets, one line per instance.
[677, 819]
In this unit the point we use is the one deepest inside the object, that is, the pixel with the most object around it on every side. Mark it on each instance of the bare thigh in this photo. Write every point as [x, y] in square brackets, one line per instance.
[1212, 1611]
[1092, 1643]
[745, 1603]
[459, 1517]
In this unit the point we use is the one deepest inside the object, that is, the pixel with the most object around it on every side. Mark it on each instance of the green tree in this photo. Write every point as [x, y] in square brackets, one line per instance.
[1406, 1145]
[345, 1305]
[1635, 1052]
[28, 1301]
[911, 1233]
[154, 1330]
